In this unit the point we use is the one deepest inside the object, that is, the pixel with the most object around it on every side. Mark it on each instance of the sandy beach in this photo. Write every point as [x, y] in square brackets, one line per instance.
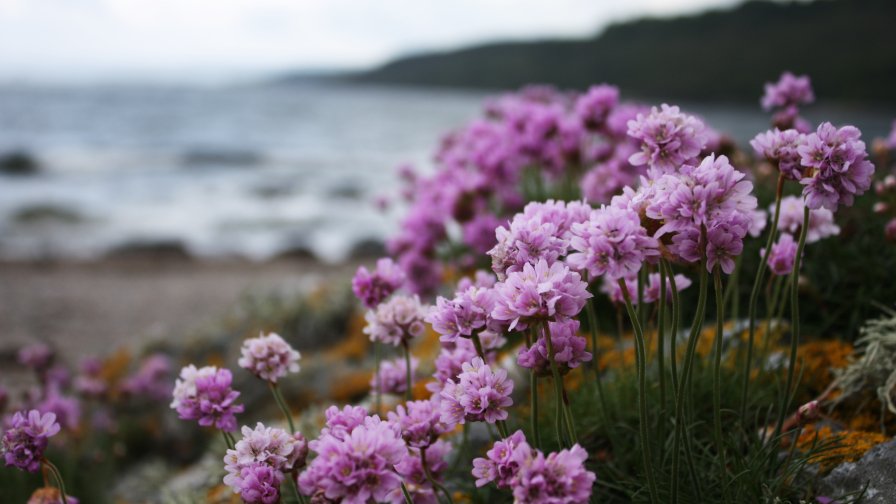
[96, 307]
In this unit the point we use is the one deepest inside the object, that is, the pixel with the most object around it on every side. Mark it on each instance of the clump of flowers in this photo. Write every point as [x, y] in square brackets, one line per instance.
[782, 255]
[668, 138]
[372, 288]
[26, 437]
[396, 321]
[419, 422]
[612, 242]
[838, 168]
[357, 467]
[780, 148]
[501, 463]
[393, 376]
[480, 394]
[206, 395]
[269, 357]
[37, 356]
[415, 476]
[821, 220]
[786, 96]
[257, 465]
[539, 293]
[569, 350]
[468, 313]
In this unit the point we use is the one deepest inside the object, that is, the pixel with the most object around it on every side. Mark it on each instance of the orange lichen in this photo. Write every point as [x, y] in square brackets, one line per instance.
[351, 386]
[842, 446]
[356, 344]
[816, 361]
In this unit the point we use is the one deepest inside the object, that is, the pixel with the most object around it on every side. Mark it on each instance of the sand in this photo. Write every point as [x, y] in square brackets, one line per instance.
[96, 307]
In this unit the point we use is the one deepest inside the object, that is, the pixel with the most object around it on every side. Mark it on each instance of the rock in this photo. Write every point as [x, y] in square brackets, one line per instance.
[38, 214]
[18, 163]
[875, 468]
[152, 250]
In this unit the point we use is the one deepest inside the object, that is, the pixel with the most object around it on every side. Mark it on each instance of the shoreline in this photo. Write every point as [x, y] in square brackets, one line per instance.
[98, 306]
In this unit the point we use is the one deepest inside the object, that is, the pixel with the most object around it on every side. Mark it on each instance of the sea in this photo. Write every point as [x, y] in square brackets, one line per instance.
[248, 171]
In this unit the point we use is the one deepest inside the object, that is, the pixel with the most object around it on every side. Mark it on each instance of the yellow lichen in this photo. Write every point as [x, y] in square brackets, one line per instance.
[845, 446]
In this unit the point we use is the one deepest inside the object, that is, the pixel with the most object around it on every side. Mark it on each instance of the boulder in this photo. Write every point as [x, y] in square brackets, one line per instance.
[876, 469]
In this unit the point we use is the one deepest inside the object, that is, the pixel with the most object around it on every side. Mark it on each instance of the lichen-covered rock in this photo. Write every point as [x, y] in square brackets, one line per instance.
[876, 469]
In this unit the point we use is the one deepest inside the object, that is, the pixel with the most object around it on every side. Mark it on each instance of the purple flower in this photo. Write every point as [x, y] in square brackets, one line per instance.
[25, 439]
[66, 409]
[610, 287]
[501, 463]
[540, 293]
[652, 291]
[468, 313]
[480, 394]
[449, 363]
[37, 356]
[839, 166]
[569, 350]
[527, 241]
[782, 255]
[206, 395]
[780, 148]
[821, 220]
[483, 279]
[257, 483]
[269, 357]
[151, 379]
[396, 321]
[479, 232]
[612, 242]
[256, 467]
[356, 468]
[606, 179]
[341, 422]
[669, 138]
[50, 495]
[411, 470]
[891, 140]
[373, 288]
[419, 422]
[393, 377]
[723, 245]
[559, 478]
[790, 90]
[593, 107]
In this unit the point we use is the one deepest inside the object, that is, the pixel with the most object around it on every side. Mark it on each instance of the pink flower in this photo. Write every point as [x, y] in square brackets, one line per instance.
[25, 439]
[839, 167]
[206, 395]
[790, 90]
[393, 378]
[593, 107]
[396, 321]
[569, 350]
[669, 138]
[419, 423]
[373, 288]
[559, 478]
[782, 256]
[269, 357]
[468, 313]
[540, 293]
[480, 394]
[612, 242]
[501, 463]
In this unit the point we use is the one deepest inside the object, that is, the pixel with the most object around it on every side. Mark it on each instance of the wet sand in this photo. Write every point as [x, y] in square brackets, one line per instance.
[96, 307]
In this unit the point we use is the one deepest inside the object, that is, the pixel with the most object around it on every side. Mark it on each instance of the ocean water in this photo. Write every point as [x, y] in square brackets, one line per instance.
[248, 171]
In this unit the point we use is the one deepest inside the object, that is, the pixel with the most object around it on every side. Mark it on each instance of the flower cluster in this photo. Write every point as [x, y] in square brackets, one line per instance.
[151, 380]
[419, 422]
[373, 288]
[480, 394]
[357, 466]
[540, 293]
[393, 376]
[37, 356]
[839, 168]
[821, 220]
[568, 346]
[780, 148]
[668, 138]
[269, 357]
[205, 394]
[787, 95]
[414, 475]
[611, 242]
[468, 313]
[558, 478]
[25, 439]
[260, 460]
[396, 321]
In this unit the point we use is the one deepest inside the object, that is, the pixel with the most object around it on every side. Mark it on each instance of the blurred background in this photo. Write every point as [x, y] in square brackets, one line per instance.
[161, 159]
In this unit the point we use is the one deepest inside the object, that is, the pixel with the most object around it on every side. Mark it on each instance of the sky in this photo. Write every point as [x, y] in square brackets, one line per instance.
[178, 40]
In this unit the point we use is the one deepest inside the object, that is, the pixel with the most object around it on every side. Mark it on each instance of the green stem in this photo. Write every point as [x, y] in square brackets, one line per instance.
[58, 477]
[533, 396]
[378, 393]
[795, 321]
[228, 440]
[295, 490]
[661, 357]
[676, 320]
[408, 393]
[278, 397]
[407, 495]
[694, 335]
[717, 378]
[641, 357]
[754, 299]
[431, 478]
[563, 409]
[642, 306]
[478, 344]
[592, 324]
[502, 429]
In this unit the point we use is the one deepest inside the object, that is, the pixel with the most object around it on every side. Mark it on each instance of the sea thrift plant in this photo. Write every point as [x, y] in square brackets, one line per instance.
[393, 376]
[415, 477]
[559, 478]
[480, 394]
[838, 168]
[269, 357]
[357, 467]
[260, 461]
[396, 321]
[468, 313]
[25, 439]
[612, 242]
[540, 293]
[372, 288]
[205, 394]
[668, 138]
[419, 422]
[502, 462]
[569, 350]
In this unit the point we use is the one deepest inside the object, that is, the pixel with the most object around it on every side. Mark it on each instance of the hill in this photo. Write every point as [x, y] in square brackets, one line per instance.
[847, 46]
